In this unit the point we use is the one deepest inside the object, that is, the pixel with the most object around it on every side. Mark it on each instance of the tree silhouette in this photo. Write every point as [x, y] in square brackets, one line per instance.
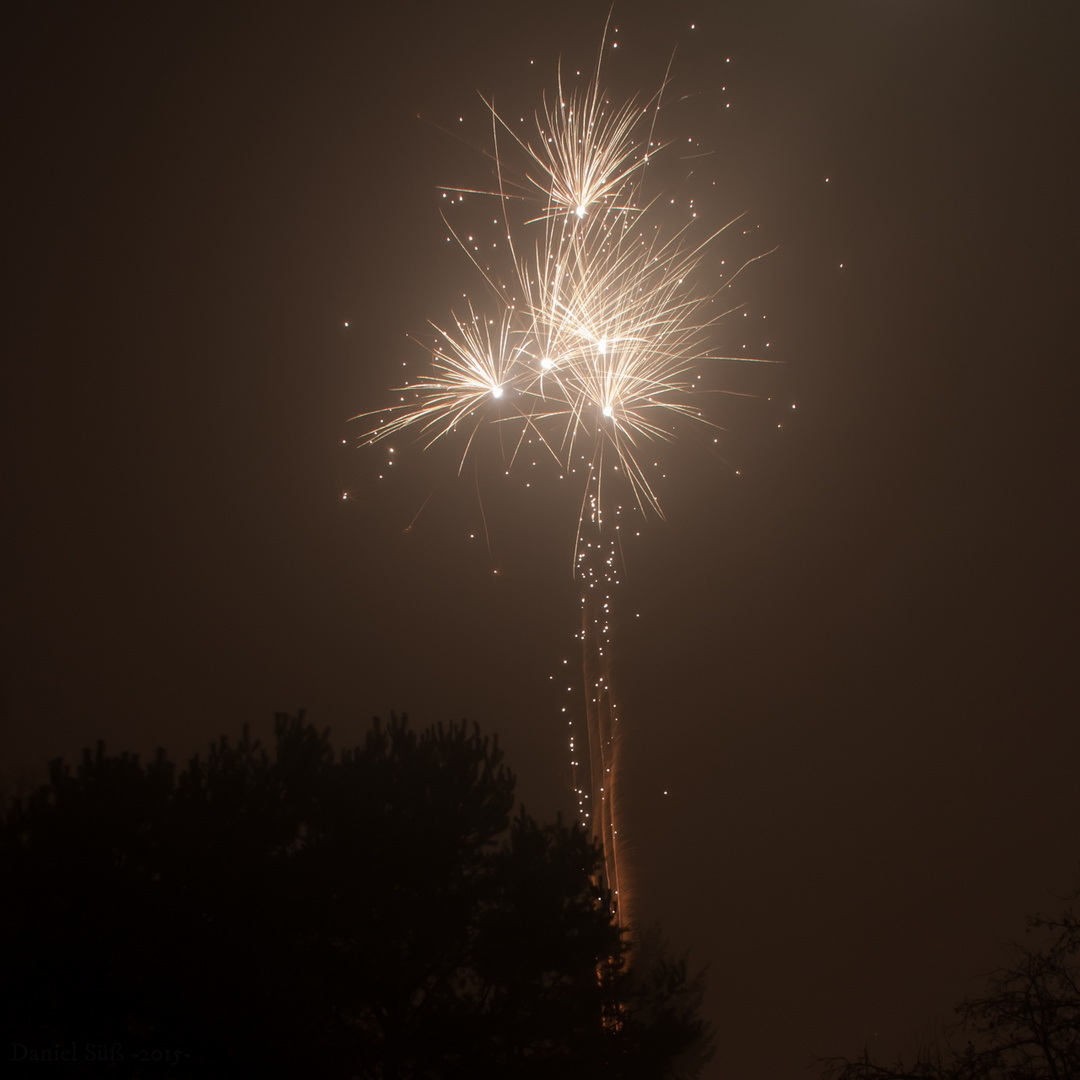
[1025, 1027]
[373, 913]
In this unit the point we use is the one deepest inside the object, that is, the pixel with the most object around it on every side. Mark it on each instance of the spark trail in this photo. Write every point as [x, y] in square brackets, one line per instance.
[597, 574]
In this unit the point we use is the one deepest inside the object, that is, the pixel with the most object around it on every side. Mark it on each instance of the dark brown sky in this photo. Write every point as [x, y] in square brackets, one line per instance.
[855, 666]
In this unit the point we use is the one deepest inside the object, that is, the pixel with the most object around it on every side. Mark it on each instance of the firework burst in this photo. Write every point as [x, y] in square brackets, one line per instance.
[598, 340]
[592, 343]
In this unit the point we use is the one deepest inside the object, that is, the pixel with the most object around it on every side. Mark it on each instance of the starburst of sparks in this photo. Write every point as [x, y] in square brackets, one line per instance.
[601, 323]
[586, 155]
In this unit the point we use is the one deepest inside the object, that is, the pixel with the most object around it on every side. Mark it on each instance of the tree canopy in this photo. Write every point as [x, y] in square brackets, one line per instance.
[1026, 1026]
[379, 912]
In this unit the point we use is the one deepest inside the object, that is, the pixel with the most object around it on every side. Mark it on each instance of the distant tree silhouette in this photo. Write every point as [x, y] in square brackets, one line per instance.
[374, 913]
[1025, 1027]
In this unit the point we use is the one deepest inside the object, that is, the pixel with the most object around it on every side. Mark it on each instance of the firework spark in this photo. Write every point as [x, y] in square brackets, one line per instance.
[600, 330]
[598, 346]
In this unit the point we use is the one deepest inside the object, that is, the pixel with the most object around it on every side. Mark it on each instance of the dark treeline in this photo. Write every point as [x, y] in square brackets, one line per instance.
[1025, 1026]
[378, 912]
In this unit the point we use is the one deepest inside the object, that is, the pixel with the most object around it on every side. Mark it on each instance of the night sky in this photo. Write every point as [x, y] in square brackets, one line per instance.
[854, 668]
